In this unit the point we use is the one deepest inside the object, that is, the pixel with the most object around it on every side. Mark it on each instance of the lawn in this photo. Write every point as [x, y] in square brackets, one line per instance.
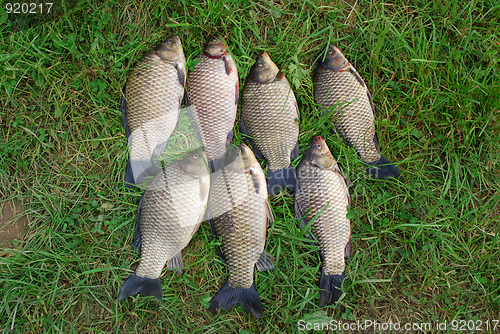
[425, 248]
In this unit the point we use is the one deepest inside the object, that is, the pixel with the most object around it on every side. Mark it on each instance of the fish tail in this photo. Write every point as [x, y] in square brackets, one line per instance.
[146, 286]
[229, 297]
[382, 169]
[282, 177]
[331, 288]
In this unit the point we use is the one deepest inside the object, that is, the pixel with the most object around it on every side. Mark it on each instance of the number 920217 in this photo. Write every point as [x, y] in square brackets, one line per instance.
[474, 325]
[28, 8]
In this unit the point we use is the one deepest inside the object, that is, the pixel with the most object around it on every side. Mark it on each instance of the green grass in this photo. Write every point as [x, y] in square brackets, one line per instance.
[425, 248]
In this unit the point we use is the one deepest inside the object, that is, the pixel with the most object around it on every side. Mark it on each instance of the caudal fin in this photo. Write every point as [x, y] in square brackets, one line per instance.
[229, 297]
[146, 286]
[331, 288]
[282, 177]
[382, 169]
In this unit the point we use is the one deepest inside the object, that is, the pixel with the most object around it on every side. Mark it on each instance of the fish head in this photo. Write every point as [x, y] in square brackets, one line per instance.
[319, 154]
[239, 158]
[195, 164]
[234, 159]
[247, 156]
[216, 47]
[334, 59]
[171, 49]
[264, 70]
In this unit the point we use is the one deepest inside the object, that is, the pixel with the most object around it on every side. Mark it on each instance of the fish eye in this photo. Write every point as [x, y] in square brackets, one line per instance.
[196, 156]
[170, 41]
[259, 63]
[318, 146]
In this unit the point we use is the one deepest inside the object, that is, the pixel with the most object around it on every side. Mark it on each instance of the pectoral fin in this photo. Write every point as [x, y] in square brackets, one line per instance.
[280, 76]
[227, 65]
[265, 262]
[181, 72]
[259, 180]
[204, 188]
[229, 137]
[347, 254]
[269, 210]
[176, 263]
[346, 179]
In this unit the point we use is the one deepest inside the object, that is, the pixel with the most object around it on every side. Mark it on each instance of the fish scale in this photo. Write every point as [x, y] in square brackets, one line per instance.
[153, 97]
[270, 114]
[323, 196]
[167, 223]
[320, 188]
[270, 120]
[169, 213]
[354, 117]
[243, 239]
[212, 98]
[240, 212]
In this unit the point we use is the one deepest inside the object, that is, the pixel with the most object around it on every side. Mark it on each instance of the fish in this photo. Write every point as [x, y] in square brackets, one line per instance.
[321, 201]
[338, 86]
[240, 211]
[270, 119]
[151, 104]
[212, 97]
[170, 211]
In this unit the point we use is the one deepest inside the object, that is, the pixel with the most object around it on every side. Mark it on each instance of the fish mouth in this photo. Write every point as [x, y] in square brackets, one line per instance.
[316, 140]
[216, 40]
[216, 48]
[244, 146]
[264, 55]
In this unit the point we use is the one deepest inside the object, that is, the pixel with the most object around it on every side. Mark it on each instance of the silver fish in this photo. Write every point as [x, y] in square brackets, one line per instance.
[150, 106]
[269, 115]
[338, 85]
[239, 203]
[324, 197]
[212, 95]
[170, 212]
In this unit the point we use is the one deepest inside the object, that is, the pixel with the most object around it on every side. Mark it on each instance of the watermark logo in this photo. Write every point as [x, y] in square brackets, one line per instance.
[389, 326]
